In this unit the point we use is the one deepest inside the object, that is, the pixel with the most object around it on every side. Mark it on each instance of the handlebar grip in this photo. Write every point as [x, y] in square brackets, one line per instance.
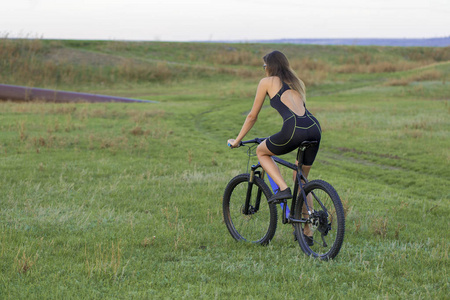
[240, 144]
[254, 141]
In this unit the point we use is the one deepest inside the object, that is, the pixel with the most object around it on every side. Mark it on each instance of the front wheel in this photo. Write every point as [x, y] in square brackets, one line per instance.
[322, 233]
[255, 222]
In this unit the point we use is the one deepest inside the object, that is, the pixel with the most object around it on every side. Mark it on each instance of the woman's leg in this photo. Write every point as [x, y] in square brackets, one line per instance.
[305, 171]
[265, 159]
[307, 231]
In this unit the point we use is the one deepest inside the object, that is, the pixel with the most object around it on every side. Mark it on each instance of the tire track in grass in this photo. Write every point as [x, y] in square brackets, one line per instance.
[361, 161]
[412, 181]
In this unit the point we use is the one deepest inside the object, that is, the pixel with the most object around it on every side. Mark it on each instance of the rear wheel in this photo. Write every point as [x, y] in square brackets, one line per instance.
[258, 223]
[326, 225]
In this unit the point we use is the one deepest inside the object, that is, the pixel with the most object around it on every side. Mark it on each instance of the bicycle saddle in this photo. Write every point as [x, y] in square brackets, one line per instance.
[307, 144]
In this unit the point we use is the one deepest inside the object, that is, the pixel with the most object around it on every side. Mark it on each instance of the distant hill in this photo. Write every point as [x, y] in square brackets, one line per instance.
[430, 42]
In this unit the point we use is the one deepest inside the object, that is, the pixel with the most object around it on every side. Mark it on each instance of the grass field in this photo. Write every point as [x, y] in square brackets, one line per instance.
[124, 200]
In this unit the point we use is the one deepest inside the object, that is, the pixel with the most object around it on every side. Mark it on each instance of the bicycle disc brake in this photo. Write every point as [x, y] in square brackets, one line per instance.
[251, 210]
[320, 222]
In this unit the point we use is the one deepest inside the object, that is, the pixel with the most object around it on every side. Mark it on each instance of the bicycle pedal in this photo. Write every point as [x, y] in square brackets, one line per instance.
[278, 201]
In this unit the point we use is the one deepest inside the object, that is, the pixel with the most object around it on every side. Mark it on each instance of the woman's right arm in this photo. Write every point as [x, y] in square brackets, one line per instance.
[251, 118]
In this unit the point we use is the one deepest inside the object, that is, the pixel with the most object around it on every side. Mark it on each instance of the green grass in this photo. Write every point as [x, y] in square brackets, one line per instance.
[124, 200]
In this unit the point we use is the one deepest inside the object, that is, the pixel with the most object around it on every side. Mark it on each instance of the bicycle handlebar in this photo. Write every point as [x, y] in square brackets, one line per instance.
[253, 141]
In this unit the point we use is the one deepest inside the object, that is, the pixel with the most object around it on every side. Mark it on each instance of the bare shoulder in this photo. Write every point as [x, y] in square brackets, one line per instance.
[272, 84]
[270, 80]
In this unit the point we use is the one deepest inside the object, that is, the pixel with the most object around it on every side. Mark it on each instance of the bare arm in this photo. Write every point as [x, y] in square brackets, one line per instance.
[251, 118]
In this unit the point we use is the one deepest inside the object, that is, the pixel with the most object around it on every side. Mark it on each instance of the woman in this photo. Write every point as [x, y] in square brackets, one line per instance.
[287, 96]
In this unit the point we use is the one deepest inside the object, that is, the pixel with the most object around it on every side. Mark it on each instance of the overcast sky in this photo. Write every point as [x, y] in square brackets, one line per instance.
[212, 20]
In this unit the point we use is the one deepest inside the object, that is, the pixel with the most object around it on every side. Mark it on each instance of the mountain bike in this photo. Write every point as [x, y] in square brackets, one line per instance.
[315, 208]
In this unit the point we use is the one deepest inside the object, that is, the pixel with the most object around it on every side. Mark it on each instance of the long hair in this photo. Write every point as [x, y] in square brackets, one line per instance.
[277, 64]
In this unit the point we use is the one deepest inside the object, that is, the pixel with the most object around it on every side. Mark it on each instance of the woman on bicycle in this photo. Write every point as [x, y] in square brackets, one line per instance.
[287, 96]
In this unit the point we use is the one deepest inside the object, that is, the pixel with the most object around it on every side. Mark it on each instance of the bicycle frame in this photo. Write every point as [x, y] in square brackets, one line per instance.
[307, 213]
[287, 216]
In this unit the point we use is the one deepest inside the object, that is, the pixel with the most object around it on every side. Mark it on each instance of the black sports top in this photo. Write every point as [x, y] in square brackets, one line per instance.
[276, 103]
[294, 131]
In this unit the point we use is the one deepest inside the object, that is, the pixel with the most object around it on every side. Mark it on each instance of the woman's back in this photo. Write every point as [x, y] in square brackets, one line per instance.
[290, 97]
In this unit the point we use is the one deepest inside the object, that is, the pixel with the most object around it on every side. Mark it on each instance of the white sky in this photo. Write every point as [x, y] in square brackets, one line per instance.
[194, 20]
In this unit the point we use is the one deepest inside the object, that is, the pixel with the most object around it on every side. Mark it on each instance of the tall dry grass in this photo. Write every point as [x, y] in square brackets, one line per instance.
[427, 75]
[36, 62]
[233, 56]
[411, 58]
[377, 67]
[312, 71]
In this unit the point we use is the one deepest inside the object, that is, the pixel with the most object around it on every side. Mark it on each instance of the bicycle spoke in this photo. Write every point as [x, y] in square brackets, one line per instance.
[325, 225]
[246, 211]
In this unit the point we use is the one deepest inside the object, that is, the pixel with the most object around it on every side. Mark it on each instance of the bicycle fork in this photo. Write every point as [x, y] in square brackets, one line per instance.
[248, 210]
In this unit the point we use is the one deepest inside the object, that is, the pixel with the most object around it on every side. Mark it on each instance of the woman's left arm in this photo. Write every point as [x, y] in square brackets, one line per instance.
[261, 93]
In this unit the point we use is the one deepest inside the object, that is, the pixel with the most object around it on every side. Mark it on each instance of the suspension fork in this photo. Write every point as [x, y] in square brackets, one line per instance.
[251, 180]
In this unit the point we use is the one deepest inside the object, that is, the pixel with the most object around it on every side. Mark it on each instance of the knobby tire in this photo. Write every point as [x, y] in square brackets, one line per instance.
[256, 227]
[335, 219]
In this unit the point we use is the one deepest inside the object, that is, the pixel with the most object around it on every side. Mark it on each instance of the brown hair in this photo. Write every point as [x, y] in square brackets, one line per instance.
[278, 65]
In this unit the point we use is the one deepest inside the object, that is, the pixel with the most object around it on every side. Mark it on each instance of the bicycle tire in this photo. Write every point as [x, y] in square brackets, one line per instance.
[329, 224]
[257, 227]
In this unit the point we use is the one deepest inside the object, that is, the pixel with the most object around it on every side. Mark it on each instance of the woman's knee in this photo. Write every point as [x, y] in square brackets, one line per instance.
[260, 151]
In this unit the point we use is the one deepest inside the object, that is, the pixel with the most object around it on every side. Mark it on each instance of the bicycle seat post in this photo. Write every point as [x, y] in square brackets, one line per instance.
[300, 158]
[301, 151]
